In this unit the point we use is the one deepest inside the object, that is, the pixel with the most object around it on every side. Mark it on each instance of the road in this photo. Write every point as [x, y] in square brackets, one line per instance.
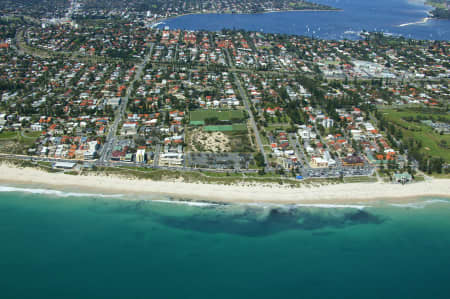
[250, 113]
[316, 173]
[299, 154]
[156, 158]
[111, 139]
[120, 164]
[22, 133]
[252, 121]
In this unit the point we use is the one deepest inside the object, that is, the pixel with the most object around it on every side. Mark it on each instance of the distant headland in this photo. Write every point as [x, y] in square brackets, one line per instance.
[441, 9]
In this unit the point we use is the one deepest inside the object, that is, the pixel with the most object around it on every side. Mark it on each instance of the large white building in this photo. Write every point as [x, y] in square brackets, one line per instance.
[306, 133]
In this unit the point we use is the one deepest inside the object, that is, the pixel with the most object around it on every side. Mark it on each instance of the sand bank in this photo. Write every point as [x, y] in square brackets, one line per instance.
[333, 193]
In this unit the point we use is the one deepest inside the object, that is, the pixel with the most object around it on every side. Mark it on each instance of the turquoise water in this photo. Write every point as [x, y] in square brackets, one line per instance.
[58, 246]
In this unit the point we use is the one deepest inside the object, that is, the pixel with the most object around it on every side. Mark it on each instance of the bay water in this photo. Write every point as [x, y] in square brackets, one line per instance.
[396, 17]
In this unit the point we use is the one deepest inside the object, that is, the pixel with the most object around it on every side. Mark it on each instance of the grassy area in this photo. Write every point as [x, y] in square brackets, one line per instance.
[225, 128]
[27, 141]
[264, 139]
[243, 175]
[240, 142]
[208, 177]
[223, 174]
[221, 115]
[17, 135]
[44, 166]
[17, 142]
[221, 120]
[431, 140]
[441, 175]
[362, 179]
[413, 112]
[278, 126]
[419, 178]
[8, 135]
[32, 134]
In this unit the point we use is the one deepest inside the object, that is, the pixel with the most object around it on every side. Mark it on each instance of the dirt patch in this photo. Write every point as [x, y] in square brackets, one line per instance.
[216, 142]
[11, 147]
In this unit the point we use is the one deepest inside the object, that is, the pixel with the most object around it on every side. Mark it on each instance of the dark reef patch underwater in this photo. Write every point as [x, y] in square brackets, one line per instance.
[254, 221]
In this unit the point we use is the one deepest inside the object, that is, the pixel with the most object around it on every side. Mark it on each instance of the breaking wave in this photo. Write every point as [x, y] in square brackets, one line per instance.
[56, 192]
[307, 205]
[420, 205]
[188, 203]
[331, 206]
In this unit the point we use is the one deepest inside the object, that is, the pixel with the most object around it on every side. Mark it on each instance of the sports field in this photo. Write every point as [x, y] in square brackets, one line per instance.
[222, 115]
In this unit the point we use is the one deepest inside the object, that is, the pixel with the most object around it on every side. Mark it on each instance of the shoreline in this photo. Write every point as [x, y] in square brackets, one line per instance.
[248, 13]
[344, 193]
[423, 21]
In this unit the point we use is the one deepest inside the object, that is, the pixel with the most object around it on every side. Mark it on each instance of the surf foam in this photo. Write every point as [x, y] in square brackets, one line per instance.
[419, 205]
[54, 192]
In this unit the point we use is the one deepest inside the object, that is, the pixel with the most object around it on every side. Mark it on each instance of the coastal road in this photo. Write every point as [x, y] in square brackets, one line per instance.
[311, 173]
[252, 121]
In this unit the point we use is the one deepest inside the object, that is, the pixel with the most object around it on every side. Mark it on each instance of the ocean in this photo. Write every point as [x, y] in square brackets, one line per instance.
[396, 17]
[69, 245]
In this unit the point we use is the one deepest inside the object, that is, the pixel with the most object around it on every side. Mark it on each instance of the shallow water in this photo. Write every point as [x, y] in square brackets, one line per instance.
[55, 246]
[397, 17]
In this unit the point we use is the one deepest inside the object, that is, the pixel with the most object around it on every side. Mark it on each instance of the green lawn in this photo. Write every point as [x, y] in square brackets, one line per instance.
[441, 175]
[193, 176]
[418, 131]
[279, 126]
[362, 179]
[419, 178]
[32, 134]
[225, 128]
[27, 140]
[222, 115]
[8, 135]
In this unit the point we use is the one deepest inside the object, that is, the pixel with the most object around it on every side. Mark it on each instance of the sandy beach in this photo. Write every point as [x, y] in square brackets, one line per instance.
[326, 194]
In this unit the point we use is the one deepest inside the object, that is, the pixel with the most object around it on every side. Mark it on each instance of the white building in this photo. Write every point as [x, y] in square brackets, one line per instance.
[171, 159]
[92, 151]
[327, 122]
[140, 156]
[306, 133]
[36, 127]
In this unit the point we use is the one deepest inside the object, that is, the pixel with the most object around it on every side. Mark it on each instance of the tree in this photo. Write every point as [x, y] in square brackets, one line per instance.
[259, 158]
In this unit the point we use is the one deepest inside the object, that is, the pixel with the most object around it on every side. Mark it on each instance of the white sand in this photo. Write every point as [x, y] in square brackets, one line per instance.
[336, 193]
